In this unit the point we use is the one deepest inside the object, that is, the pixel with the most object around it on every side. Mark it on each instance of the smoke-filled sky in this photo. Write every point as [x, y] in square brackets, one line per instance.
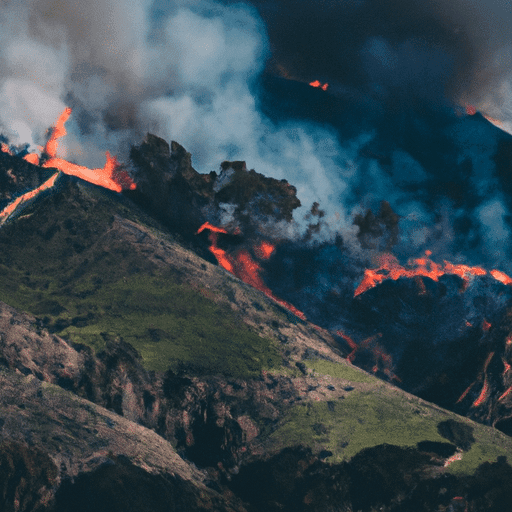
[400, 73]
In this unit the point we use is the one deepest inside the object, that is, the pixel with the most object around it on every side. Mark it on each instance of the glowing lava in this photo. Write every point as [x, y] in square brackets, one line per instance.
[10, 208]
[422, 267]
[110, 176]
[317, 83]
[243, 266]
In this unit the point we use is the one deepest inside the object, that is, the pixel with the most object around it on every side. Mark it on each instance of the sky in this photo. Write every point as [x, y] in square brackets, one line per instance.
[394, 128]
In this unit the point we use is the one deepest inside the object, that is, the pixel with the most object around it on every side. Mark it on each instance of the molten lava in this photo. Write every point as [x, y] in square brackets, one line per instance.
[317, 83]
[11, 207]
[243, 266]
[264, 250]
[507, 392]
[483, 394]
[110, 176]
[423, 267]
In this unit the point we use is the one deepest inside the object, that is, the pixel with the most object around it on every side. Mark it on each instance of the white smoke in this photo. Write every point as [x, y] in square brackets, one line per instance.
[180, 69]
[185, 70]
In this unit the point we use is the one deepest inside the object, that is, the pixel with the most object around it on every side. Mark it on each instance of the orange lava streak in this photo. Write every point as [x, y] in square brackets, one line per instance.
[211, 227]
[501, 276]
[465, 393]
[108, 177]
[264, 250]
[507, 392]
[32, 158]
[244, 267]
[10, 208]
[5, 148]
[352, 344]
[317, 83]
[483, 394]
[424, 267]
[59, 131]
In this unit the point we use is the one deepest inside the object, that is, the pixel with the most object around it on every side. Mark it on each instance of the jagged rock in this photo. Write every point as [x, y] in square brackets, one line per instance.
[184, 199]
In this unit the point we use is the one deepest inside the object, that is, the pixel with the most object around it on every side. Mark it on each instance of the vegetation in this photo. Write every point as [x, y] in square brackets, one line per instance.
[61, 264]
[365, 418]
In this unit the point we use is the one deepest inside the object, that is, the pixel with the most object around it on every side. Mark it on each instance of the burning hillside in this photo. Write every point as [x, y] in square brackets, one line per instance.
[364, 189]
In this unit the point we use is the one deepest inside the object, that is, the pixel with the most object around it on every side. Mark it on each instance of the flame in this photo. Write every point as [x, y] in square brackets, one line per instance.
[450, 460]
[486, 325]
[468, 389]
[33, 158]
[110, 176]
[264, 250]
[317, 83]
[483, 394]
[243, 266]
[507, 392]
[5, 148]
[425, 267]
[10, 208]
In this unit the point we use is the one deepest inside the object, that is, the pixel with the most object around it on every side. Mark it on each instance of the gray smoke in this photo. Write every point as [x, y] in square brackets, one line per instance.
[188, 71]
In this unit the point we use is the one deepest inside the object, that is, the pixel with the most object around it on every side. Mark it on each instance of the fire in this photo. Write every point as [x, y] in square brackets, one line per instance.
[10, 208]
[424, 267]
[507, 392]
[483, 394]
[110, 176]
[317, 83]
[243, 266]
[264, 250]
[450, 460]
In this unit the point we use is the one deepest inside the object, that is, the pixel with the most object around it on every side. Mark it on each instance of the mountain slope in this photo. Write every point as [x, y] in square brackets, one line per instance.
[122, 315]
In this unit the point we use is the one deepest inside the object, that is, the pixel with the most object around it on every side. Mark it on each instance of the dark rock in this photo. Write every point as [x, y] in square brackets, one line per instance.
[27, 478]
[458, 433]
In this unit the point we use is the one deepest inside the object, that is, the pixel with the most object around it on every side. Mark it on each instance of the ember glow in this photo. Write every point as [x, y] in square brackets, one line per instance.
[317, 83]
[10, 208]
[110, 176]
[422, 267]
[243, 266]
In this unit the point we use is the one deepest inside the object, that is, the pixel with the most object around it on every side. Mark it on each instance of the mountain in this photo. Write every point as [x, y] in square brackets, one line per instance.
[139, 375]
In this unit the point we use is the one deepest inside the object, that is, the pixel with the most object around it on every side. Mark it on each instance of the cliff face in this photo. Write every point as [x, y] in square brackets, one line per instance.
[134, 367]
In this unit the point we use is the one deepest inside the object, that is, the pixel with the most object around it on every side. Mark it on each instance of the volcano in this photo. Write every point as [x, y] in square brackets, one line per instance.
[124, 329]
[314, 316]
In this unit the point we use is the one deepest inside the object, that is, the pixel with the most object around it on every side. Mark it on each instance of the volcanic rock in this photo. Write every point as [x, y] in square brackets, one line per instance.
[139, 368]
[183, 199]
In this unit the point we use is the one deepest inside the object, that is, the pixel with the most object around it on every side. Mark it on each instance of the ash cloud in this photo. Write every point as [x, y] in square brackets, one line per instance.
[192, 72]
[183, 70]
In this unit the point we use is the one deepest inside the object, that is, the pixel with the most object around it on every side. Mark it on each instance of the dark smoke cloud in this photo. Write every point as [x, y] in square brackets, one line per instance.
[455, 47]
[192, 71]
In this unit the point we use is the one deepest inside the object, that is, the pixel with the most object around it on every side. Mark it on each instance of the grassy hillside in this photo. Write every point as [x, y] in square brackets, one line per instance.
[64, 262]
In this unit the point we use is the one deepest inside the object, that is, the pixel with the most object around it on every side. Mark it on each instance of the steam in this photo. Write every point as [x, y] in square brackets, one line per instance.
[189, 71]
[182, 70]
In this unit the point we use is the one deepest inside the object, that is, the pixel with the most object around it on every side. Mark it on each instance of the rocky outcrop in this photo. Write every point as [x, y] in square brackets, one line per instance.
[53, 440]
[183, 199]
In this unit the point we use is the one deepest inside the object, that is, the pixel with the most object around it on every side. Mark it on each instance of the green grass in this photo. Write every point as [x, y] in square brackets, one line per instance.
[61, 265]
[370, 418]
[360, 420]
[172, 326]
[339, 371]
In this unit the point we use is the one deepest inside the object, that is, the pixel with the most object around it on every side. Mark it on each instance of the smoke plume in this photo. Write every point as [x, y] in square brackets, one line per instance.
[207, 74]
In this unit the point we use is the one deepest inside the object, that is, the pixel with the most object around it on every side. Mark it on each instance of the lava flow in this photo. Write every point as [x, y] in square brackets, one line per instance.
[422, 267]
[10, 208]
[243, 266]
[110, 176]
[317, 83]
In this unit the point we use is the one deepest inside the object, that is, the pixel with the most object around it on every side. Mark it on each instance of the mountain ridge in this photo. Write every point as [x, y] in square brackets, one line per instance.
[263, 388]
